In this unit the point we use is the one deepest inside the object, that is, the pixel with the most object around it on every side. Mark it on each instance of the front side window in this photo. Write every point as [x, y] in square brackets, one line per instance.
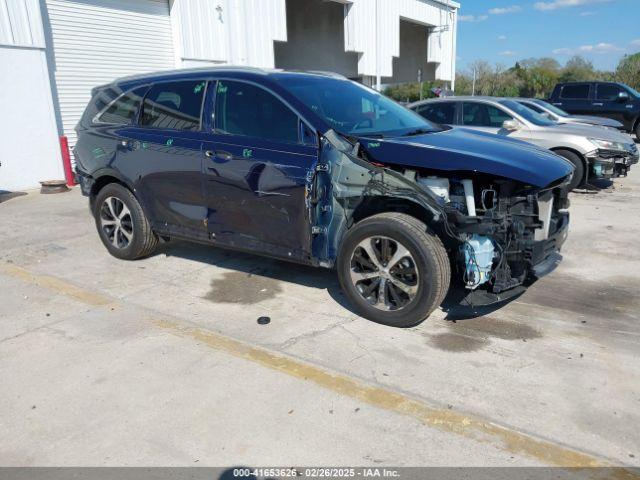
[124, 109]
[251, 111]
[174, 105]
[608, 92]
[575, 92]
[443, 113]
[483, 115]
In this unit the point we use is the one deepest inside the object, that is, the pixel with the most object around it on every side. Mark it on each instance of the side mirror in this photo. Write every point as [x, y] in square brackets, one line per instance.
[623, 97]
[511, 125]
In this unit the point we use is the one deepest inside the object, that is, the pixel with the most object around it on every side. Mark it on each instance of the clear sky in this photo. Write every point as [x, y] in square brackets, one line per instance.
[503, 31]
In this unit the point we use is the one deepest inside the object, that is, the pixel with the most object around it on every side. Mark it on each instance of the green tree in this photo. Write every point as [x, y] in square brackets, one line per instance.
[578, 69]
[537, 76]
[628, 70]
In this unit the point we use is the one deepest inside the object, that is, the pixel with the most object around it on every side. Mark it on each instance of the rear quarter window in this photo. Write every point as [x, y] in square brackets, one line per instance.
[123, 110]
[174, 105]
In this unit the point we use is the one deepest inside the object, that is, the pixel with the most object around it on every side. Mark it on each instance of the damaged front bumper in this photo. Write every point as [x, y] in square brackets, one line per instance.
[528, 242]
[612, 163]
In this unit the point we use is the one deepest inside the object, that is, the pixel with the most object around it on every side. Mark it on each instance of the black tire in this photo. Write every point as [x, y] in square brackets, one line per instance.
[427, 255]
[579, 174]
[142, 241]
[637, 131]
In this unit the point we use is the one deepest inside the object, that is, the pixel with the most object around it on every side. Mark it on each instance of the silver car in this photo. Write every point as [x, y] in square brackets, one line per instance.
[560, 116]
[595, 152]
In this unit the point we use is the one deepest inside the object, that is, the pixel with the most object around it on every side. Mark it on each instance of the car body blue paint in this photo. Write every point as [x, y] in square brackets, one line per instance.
[259, 201]
[465, 150]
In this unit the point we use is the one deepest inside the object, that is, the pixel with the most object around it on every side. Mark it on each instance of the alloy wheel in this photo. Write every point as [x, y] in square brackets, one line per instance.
[384, 273]
[116, 222]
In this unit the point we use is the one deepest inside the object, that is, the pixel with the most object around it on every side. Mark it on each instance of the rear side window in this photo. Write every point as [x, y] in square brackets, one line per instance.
[483, 115]
[575, 92]
[608, 92]
[174, 105]
[443, 113]
[124, 109]
[248, 110]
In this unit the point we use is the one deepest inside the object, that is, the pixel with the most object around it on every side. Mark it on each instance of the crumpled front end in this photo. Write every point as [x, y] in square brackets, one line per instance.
[501, 234]
[514, 236]
[606, 163]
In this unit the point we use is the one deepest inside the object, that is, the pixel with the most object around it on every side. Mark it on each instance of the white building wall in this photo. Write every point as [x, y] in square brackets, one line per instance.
[379, 45]
[242, 32]
[28, 132]
[237, 32]
[21, 23]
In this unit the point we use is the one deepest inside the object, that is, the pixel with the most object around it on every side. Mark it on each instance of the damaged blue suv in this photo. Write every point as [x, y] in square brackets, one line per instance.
[316, 169]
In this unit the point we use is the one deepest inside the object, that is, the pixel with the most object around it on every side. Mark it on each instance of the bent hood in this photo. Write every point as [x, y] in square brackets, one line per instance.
[471, 151]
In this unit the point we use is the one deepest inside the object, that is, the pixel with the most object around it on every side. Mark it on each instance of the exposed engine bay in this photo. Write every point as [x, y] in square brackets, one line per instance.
[500, 233]
[504, 228]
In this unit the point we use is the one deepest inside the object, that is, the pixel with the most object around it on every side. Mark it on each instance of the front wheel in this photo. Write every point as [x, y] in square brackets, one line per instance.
[393, 270]
[579, 173]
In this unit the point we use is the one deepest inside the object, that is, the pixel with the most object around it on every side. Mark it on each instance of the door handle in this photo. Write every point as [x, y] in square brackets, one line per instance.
[219, 154]
[598, 104]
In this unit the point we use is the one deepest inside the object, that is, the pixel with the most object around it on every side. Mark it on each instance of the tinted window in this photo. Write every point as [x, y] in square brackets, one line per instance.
[244, 109]
[527, 113]
[353, 109]
[576, 91]
[174, 105]
[552, 108]
[532, 106]
[124, 109]
[483, 115]
[438, 112]
[608, 92]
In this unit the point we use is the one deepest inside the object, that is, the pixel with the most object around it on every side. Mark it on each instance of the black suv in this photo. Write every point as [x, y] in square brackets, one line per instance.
[604, 99]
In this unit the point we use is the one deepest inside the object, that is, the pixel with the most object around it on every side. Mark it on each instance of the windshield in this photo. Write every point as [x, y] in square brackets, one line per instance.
[633, 91]
[552, 108]
[355, 110]
[527, 113]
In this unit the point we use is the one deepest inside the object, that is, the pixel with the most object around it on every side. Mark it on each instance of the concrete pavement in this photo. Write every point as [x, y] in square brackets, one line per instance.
[161, 361]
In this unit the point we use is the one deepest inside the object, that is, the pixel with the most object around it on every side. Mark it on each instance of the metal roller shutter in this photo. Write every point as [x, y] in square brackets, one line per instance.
[96, 41]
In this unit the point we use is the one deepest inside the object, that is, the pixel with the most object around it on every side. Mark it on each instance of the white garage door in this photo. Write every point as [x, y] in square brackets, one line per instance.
[96, 41]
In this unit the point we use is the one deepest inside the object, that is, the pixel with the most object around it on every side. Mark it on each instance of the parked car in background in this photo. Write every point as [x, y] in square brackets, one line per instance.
[594, 152]
[617, 101]
[320, 170]
[560, 116]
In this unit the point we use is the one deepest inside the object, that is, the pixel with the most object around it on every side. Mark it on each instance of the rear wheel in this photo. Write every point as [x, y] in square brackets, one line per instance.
[393, 270]
[122, 224]
[579, 174]
[638, 132]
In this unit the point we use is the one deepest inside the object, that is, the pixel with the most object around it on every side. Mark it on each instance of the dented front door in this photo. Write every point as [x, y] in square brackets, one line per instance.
[256, 169]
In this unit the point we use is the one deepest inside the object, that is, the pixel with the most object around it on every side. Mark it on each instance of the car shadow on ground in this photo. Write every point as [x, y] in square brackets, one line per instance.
[257, 267]
[5, 195]
[254, 266]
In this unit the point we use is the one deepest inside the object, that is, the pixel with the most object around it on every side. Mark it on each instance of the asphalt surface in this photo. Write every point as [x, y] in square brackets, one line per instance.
[162, 361]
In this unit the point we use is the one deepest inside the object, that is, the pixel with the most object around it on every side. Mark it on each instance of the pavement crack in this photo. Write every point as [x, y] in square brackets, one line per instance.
[316, 333]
